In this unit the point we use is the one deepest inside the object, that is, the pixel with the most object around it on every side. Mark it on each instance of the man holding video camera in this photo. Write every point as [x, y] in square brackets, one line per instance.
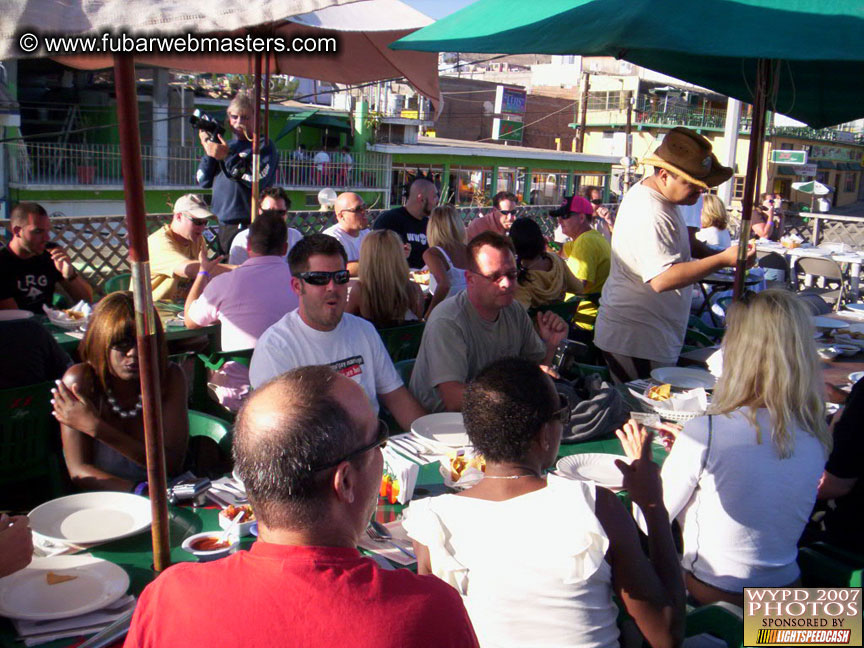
[227, 167]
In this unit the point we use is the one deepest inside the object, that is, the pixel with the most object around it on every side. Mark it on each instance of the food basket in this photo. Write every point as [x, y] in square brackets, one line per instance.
[70, 318]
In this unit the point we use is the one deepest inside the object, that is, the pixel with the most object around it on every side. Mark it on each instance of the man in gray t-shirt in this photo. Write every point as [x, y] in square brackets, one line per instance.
[481, 324]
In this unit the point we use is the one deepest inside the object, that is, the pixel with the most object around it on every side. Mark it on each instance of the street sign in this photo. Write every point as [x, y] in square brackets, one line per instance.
[507, 129]
[788, 157]
[806, 170]
[510, 100]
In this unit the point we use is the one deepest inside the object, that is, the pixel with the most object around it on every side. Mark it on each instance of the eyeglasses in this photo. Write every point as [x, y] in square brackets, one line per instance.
[355, 210]
[380, 441]
[124, 346]
[496, 278]
[322, 278]
[238, 116]
[563, 413]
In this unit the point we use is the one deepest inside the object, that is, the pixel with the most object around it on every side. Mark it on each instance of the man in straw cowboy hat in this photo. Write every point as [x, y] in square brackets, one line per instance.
[645, 302]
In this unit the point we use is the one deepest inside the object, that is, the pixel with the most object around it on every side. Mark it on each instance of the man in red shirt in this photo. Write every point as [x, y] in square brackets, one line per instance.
[306, 445]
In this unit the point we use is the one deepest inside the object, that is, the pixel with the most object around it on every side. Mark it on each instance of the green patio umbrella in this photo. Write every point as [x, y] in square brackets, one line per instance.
[712, 43]
[812, 187]
[802, 58]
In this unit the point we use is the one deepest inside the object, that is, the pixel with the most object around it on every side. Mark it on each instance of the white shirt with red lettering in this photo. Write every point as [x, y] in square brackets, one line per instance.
[353, 348]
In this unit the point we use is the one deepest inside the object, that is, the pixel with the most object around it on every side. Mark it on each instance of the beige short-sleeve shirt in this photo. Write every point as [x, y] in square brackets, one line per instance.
[166, 252]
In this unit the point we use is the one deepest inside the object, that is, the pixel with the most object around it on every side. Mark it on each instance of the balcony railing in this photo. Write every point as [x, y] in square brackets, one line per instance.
[824, 134]
[175, 166]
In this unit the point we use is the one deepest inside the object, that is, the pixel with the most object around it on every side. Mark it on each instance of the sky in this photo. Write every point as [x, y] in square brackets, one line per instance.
[438, 8]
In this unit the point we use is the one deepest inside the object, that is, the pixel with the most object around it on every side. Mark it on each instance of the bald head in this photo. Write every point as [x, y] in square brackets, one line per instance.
[286, 428]
[422, 198]
[350, 210]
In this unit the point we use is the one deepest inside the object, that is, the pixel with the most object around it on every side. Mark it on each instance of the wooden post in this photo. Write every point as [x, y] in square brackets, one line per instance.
[145, 315]
[754, 158]
[256, 136]
[586, 86]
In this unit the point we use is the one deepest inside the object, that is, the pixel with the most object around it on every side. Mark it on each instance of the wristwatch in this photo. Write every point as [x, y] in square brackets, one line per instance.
[73, 277]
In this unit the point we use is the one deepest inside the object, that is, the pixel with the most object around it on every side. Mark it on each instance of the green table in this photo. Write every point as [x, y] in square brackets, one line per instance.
[134, 554]
[69, 343]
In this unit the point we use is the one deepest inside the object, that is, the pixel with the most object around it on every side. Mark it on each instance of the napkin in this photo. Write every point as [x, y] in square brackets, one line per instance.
[691, 400]
[34, 633]
[386, 549]
[60, 316]
[399, 478]
[45, 547]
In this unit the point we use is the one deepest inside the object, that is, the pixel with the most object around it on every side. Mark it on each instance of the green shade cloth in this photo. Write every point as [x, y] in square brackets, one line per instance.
[712, 43]
[314, 118]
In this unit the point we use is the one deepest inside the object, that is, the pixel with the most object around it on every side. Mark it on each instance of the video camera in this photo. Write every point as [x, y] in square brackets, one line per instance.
[204, 122]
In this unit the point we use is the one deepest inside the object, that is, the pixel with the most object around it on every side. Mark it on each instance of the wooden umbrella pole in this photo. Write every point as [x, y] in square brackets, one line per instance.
[267, 99]
[145, 318]
[256, 136]
[757, 141]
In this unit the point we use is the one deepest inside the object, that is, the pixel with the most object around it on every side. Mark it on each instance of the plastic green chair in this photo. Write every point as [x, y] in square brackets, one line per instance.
[820, 569]
[582, 369]
[697, 339]
[402, 342]
[714, 332]
[211, 427]
[200, 398]
[27, 433]
[117, 282]
[721, 620]
[405, 367]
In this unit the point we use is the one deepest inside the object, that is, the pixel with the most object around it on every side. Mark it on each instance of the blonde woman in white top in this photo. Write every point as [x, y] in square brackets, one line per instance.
[743, 480]
[447, 256]
[715, 223]
[535, 557]
[384, 293]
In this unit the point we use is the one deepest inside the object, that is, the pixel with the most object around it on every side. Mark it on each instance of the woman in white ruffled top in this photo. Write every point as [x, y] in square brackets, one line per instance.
[538, 558]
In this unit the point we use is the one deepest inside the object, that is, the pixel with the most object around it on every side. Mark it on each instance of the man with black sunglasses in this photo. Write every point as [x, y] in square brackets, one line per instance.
[320, 332]
[351, 227]
[306, 446]
[505, 210]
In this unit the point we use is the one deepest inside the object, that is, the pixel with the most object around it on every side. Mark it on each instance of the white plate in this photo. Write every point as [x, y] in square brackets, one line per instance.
[859, 308]
[13, 314]
[91, 517]
[444, 428]
[828, 323]
[855, 376]
[596, 467]
[684, 377]
[26, 594]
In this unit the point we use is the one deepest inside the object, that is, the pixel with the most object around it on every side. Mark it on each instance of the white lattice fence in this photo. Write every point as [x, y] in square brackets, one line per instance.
[98, 248]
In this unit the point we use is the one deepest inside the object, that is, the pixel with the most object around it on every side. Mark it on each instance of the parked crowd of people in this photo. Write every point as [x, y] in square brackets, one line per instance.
[523, 557]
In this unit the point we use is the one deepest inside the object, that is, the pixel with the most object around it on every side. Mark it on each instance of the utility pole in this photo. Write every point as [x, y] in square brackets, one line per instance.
[586, 86]
[628, 142]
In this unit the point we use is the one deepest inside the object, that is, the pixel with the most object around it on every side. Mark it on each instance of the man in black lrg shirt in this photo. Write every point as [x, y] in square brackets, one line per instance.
[30, 267]
[410, 221]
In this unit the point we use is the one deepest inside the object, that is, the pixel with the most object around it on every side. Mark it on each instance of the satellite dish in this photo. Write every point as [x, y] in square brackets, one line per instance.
[326, 198]
[488, 107]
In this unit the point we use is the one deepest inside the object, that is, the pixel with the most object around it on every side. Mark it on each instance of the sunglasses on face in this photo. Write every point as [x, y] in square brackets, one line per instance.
[380, 441]
[355, 210]
[123, 346]
[322, 278]
[597, 201]
[563, 412]
[200, 222]
[509, 212]
[498, 276]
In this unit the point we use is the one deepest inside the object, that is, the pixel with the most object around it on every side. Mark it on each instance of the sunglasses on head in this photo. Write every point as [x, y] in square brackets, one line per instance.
[379, 441]
[322, 278]
[563, 411]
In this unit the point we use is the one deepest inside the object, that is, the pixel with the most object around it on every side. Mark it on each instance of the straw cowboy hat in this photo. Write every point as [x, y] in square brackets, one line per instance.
[687, 154]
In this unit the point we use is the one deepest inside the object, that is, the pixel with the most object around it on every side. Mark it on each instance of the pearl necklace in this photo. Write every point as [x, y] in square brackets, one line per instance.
[122, 413]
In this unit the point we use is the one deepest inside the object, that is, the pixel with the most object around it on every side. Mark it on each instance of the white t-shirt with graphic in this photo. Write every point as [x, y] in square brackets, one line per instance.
[238, 253]
[353, 348]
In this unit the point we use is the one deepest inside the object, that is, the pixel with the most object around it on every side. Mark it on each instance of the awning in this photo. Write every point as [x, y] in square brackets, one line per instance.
[825, 164]
[294, 120]
[786, 170]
